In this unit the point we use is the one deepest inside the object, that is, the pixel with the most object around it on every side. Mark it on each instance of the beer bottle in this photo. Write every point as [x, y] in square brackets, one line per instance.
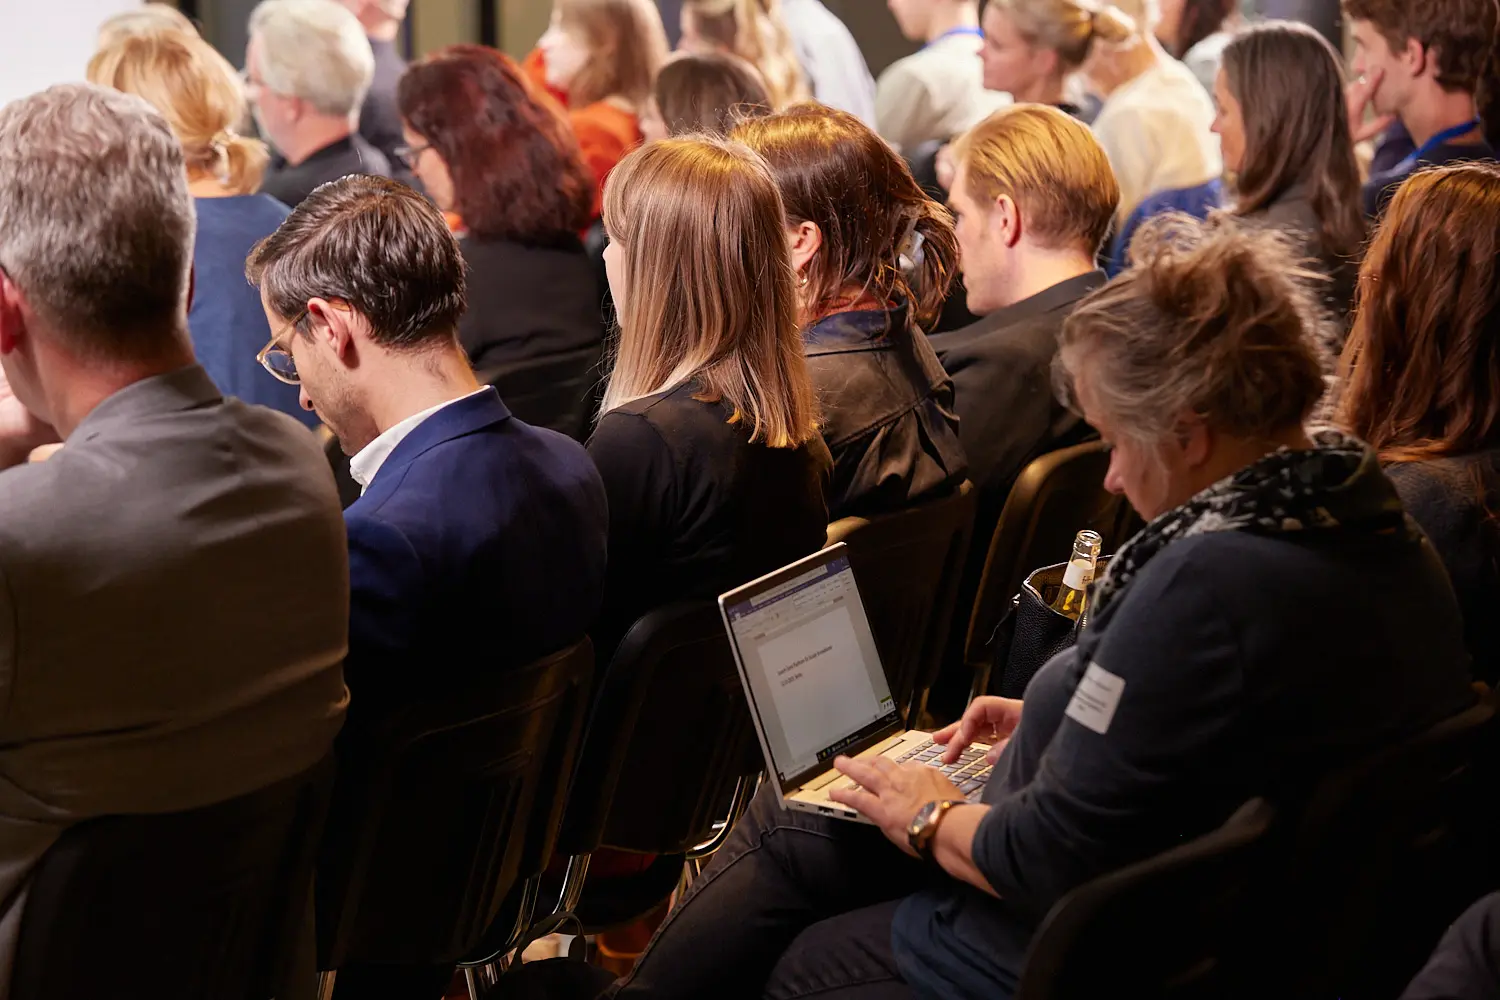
[1079, 574]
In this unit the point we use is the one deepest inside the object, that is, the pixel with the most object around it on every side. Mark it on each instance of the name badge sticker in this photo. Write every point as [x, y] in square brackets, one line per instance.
[1096, 698]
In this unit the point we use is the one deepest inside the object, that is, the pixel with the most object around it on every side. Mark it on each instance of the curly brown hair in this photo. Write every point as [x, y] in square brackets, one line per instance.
[1421, 369]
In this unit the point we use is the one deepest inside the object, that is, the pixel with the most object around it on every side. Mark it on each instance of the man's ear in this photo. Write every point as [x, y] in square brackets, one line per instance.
[1005, 219]
[12, 315]
[1417, 58]
[335, 326]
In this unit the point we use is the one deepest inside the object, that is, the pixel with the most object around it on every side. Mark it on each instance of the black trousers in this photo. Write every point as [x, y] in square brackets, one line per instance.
[794, 905]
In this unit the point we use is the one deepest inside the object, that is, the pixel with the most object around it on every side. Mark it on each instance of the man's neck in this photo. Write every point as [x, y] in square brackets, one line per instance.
[1039, 270]
[952, 17]
[420, 383]
[1435, 110]
[88, 385]
[315, 133]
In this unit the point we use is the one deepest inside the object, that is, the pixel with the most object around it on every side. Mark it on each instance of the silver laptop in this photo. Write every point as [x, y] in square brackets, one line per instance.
[816, 686]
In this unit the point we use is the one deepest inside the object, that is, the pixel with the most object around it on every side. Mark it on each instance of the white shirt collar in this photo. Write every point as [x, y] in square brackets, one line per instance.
[367, 461]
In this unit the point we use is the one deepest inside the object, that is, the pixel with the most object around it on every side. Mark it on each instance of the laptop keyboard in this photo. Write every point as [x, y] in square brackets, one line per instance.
[969, 772]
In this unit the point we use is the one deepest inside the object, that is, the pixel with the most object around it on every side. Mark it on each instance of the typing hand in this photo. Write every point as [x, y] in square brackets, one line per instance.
[891, 794]
[987, 720]
[20, 430]
[1358, 95]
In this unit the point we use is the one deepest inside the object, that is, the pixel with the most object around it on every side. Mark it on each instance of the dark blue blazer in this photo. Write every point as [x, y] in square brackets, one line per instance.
[479, 545]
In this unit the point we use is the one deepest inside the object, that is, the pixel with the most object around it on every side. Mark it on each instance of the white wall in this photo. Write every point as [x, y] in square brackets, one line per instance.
[43, 42]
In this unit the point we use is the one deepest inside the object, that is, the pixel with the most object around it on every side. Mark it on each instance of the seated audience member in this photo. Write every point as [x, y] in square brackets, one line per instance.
[1156, 119]
[708, 442]
[600, 56]
[703, 94]
[147, 19]
[1212, 623]
[1033, 47]
[1196, 32]
[1284, 130]
[1466, 963]
[1422, 377]
[309, 64]
[1034, 197]
[176, 588]
[201, 97]
[938, 91]
[835, 67]
[1422, 62]
[379, 116]
[874, 259]
[751, 30]
[499, 158]
[1199, 201]
[468, 514]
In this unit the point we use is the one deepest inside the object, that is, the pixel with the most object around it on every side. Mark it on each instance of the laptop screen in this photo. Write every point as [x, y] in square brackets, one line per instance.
[813, 676]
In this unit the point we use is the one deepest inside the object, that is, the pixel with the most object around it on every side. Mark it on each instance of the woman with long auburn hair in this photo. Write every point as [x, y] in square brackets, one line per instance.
[875, 258]
[708, 440]
[497, 156]
[1421, 376]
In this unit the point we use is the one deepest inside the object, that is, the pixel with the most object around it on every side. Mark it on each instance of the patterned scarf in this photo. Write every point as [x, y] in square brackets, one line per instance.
[1335, 485]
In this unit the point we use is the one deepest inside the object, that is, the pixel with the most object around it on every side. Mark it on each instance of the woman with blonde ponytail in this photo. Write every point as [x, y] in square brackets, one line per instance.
[201, 97]
[755, 31]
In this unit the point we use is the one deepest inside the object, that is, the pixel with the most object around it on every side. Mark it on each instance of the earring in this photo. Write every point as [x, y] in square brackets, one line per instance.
[803, 282]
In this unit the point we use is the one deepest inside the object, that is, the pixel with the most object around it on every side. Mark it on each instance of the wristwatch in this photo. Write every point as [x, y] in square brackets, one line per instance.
[924, 826]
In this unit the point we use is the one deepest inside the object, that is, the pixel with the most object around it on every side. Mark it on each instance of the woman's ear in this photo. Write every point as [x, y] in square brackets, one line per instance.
[805, 240]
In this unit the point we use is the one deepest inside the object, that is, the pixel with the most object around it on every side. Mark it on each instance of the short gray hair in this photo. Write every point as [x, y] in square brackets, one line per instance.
[315, 50]
[96, 223]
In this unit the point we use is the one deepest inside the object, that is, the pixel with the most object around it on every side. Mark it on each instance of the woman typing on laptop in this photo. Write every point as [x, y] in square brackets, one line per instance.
[1218, 665]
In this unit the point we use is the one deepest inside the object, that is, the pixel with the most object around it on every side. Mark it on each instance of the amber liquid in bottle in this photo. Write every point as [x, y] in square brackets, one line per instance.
[1079, 574]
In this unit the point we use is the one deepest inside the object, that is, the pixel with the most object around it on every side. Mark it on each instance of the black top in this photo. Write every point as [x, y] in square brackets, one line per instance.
[1381, 188]
[887, 412]
[695, 509]
[290, 184]
[1293, 214]
[1002, 372]
[1457, 501]
[1240, 672]
[535, 329]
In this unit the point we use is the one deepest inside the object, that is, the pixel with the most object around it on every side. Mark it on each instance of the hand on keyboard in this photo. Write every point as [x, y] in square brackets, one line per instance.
[890, 794]
[986, 720]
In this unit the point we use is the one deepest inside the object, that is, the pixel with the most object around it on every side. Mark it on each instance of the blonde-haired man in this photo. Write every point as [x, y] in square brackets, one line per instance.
[1034, 195]
[309, 67]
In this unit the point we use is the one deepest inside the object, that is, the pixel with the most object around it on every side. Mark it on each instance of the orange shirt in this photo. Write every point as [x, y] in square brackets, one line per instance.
[605, 132]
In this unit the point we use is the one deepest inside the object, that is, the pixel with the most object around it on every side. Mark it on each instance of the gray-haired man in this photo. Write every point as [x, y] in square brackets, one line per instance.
[173, 615]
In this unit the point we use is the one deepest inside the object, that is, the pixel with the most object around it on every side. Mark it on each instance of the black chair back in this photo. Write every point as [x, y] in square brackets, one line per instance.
[1169, 928]
[202, 903]
[556, 392]
[908, 565]
[1390, 851]
[442, 807]
[1056, 496]
[669, 738]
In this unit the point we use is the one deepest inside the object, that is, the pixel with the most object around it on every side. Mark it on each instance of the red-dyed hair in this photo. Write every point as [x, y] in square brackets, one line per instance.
[517, 171]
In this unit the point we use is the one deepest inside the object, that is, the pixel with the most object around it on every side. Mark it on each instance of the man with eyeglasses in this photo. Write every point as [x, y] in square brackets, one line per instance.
[479, 541]
[308, 67]
[159, 651]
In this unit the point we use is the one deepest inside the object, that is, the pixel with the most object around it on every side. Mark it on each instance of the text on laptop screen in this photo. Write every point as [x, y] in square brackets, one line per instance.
[813, 670]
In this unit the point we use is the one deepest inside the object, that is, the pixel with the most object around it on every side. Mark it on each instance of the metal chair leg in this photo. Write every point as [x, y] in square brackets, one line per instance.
[325, 984]
[472, 982]
[744, 791]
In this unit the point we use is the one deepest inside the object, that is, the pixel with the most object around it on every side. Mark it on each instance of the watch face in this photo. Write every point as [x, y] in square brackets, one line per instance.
[919, 822]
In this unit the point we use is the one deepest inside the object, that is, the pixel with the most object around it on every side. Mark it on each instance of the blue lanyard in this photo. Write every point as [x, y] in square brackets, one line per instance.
[971, 30]
[1421, 151]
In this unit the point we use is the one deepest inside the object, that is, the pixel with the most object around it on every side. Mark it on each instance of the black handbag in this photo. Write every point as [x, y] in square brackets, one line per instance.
[1032, 633]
